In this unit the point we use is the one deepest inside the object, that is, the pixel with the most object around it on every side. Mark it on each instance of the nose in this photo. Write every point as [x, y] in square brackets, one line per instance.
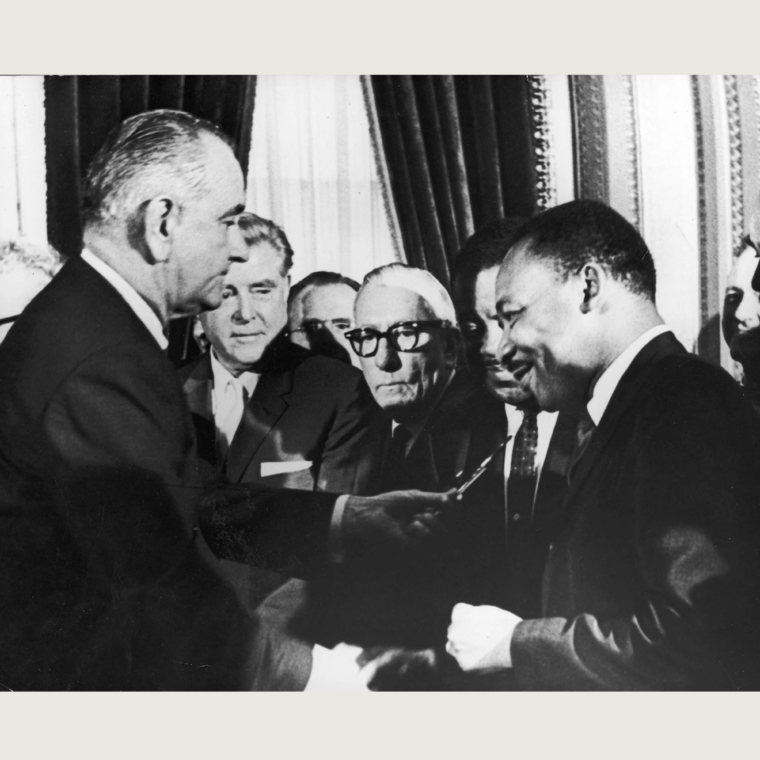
[245, 311]
[505, 349]
[747, 311]
[386, 358]
[491, 339]
[238, 248]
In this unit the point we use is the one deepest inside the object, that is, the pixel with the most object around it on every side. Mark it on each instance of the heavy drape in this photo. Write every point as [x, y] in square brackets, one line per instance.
[81, 110]
[460, 153]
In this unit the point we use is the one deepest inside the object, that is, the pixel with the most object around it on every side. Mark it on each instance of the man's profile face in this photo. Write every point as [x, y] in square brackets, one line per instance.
[253, 309]
[482, 332]
[741, 306]
[323, 312]
[543, 344]
[207, 239]
[405, 384]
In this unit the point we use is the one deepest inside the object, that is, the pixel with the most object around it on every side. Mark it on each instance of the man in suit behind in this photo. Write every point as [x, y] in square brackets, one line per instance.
[265, 409]
[320, 311]
[537, 454]
[653, 574]
[106, 580]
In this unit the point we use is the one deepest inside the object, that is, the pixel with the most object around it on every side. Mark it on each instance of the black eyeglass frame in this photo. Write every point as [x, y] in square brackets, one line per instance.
[5, 320]
[418, 326]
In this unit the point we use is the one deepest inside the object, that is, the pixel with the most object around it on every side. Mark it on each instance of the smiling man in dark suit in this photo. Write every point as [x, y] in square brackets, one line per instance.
[107, 580]
[653, 575]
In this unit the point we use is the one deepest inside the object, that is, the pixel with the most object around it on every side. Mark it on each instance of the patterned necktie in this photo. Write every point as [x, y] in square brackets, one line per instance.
[228, 415]
[521, 487]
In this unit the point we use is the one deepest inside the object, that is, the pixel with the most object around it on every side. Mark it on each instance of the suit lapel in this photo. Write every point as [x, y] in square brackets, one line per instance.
[624, 395]
[198, 388]
[266, 406]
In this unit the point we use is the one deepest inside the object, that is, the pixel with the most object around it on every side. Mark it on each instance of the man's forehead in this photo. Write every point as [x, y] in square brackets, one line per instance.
[333, 296]
[382, 305]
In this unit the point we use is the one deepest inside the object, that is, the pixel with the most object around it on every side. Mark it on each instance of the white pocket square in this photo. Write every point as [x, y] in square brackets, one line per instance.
[279, 468]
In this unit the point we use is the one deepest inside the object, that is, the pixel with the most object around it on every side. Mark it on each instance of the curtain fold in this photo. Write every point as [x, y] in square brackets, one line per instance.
[80, 111]
[460, 153]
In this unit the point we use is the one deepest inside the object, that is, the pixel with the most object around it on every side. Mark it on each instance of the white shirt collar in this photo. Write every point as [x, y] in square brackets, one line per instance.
[610, 378]
[222, 376]
[135, 301]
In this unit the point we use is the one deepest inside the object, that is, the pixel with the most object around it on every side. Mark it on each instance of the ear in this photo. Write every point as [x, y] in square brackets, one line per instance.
[594, 278]
[161, 219]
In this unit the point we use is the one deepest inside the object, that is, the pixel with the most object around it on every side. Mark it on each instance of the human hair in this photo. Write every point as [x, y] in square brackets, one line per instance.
[320, 279]
[585, 231]
[21, 253]
[419, 281]
[484, 249]
[146, 154]
[257, 230]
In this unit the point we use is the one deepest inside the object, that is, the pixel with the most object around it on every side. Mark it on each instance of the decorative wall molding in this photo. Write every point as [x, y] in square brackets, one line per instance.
[540, 109]
[730, 82]
[591, 139]
[623, 146]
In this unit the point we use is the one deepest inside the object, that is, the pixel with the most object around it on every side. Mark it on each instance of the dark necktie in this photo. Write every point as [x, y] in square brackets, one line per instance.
[521, 487]
[397, 475]
[585, 430]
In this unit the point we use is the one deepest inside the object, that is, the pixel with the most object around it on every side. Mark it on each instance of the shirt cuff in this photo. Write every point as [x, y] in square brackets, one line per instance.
[335, 549]
[500, 656]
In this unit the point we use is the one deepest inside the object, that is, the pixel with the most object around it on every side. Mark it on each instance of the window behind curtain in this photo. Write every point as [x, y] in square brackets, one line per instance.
[22, 158]
[312, 171]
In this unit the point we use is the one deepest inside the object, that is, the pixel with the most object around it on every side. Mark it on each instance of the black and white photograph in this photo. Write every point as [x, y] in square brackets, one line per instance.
[343, 384]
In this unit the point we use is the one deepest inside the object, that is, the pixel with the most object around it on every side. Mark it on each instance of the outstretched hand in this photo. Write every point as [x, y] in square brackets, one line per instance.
[393, 522]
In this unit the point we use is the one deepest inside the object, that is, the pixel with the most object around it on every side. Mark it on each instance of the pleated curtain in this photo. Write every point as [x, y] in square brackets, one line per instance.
[460, 154]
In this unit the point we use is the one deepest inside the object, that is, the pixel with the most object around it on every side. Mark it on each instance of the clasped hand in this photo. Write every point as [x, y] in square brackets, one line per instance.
[479, 637]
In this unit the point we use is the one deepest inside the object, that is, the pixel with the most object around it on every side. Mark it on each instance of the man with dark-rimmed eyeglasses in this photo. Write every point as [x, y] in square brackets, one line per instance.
[439, 425]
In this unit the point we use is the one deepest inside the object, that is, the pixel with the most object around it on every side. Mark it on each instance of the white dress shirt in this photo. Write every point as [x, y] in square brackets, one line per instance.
[135, 301]
[228, 400]
[605, 386]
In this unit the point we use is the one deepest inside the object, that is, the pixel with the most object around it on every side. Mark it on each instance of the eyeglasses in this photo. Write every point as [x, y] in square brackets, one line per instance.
[404, 336]
[312, 326]
[6, 320]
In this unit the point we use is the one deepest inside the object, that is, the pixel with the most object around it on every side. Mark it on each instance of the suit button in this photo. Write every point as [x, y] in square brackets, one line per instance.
[515, 517]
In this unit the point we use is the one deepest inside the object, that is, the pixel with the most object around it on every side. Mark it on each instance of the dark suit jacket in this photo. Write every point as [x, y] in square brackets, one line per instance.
[512, 577]
[105, 580]
[304, 408]
[652, 579]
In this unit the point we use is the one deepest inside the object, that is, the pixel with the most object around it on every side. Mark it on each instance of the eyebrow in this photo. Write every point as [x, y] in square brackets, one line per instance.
[263, 284]
[233, 211]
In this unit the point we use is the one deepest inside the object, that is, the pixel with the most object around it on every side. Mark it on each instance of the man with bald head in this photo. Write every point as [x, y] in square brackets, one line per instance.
[653, 578]
[108, 581]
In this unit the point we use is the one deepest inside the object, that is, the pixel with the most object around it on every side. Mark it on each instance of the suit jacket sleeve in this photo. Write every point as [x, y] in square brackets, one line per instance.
[350, 457]
[121, 454]
[690, 474]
